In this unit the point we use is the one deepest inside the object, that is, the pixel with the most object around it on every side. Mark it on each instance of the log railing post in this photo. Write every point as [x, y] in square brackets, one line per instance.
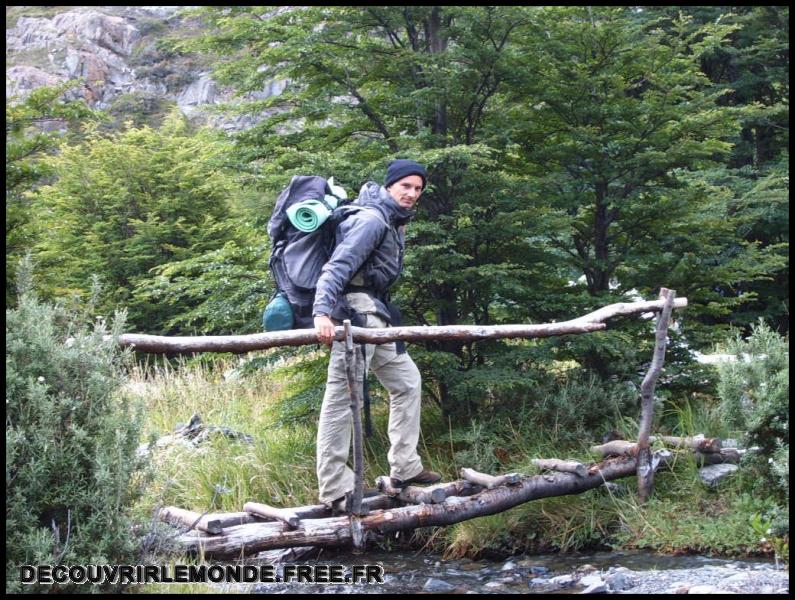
[645, 469]
[351, 359]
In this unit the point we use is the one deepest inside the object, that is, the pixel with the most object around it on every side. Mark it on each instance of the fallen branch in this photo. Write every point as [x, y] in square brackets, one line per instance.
[697, 443]
[208, 523]
[432, 494]
[489, 481]
[285, 515]
[562, 466]
[260, 341]
[616, 448]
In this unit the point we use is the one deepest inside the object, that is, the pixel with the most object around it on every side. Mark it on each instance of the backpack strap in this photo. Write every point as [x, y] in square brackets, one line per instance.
[351, 208]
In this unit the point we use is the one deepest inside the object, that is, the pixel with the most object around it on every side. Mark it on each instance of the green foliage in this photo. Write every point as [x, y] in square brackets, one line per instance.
[222, 291]
[562, 143]
[71, 469]
[139, 108]
[29, 141]
[127, 203]
[13, 13]
[702, 524]
[754, 399]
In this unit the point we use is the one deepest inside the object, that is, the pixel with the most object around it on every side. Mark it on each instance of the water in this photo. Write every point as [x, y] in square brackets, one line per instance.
[409, 573]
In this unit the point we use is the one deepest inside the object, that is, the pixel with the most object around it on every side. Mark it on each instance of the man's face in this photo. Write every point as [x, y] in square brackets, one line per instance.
[406, 191]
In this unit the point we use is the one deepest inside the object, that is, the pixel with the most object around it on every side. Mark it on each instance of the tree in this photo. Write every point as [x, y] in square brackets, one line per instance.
[753, 70]
[623, 123]
[367, 85]
[127, 203]
[561, 143]
[35, 127]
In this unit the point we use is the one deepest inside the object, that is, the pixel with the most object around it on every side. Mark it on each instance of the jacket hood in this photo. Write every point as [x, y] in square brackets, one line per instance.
[374, 194]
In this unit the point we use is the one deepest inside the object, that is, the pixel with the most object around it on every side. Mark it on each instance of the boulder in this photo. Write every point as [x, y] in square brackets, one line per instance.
[712, 475]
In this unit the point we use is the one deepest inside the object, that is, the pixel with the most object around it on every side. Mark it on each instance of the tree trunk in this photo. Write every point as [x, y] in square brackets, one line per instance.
[352, 357]
[645, 469]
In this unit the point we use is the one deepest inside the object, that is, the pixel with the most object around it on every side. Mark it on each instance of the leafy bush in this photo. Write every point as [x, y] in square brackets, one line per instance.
[754, 394]
[71, 466]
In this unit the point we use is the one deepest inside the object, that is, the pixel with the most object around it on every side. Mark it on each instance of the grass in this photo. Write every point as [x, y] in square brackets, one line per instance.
[278, 402]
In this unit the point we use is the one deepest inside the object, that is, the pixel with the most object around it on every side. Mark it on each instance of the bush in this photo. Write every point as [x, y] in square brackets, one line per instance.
[754, 394]
[71, 466]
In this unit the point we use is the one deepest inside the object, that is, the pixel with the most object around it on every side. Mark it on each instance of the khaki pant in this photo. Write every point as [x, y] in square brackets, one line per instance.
[401, 378]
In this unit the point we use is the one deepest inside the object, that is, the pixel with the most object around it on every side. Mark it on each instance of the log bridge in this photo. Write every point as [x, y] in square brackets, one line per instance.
[260, 527]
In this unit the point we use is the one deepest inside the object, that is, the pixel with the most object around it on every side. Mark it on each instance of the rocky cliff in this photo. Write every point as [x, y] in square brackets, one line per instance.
[115, 50]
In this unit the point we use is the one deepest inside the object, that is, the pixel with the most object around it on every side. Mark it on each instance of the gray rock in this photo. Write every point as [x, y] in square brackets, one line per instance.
[712, 475]
[589, 580]
[738, 578]
[203, 91]
[704, 589]
[539, 570]
[562, 580]
[618, 581]
[509, 566]
[595, 588]
[435, 586]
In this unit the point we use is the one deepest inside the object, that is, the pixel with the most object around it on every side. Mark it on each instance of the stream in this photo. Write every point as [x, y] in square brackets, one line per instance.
[631, 572]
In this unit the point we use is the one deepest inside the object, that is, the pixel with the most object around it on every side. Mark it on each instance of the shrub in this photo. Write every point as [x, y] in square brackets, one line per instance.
[754, 394]
[71, 466]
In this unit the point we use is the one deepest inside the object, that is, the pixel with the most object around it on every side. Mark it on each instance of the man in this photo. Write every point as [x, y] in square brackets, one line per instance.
[354, 284]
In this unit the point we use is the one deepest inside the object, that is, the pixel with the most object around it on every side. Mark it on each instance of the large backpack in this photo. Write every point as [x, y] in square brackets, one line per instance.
[297, 257]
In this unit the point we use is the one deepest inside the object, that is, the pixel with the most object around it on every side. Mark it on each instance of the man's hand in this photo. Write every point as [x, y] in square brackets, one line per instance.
[325, 329]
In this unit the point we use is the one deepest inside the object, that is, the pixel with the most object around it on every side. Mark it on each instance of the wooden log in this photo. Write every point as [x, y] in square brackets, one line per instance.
[627, 308]
[489, 481]
[229, 519]
[725, 455]
[562, 466]
[616, 448]
[238, 344]
[384, 485]
[352, 357]
[316, 511]
[698, 442]
[645, 473]
[190, 518]
[431, 494]
[412, 494]
[285, 515]
[336, 531]
[319, 511]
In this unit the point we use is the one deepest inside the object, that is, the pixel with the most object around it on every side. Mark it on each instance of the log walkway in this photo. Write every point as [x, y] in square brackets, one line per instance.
[261, 527]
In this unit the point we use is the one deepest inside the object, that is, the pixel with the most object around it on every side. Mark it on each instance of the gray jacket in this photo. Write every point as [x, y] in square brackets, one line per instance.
[368, 253]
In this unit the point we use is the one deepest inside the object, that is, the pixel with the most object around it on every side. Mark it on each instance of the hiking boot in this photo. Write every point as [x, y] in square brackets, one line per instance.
[424, 477]
[341, 505]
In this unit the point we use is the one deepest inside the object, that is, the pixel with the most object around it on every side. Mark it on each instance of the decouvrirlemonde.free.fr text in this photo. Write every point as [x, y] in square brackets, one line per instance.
[134, 574]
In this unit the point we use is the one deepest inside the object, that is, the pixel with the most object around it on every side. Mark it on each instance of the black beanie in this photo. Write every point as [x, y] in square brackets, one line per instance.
[400, 168]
